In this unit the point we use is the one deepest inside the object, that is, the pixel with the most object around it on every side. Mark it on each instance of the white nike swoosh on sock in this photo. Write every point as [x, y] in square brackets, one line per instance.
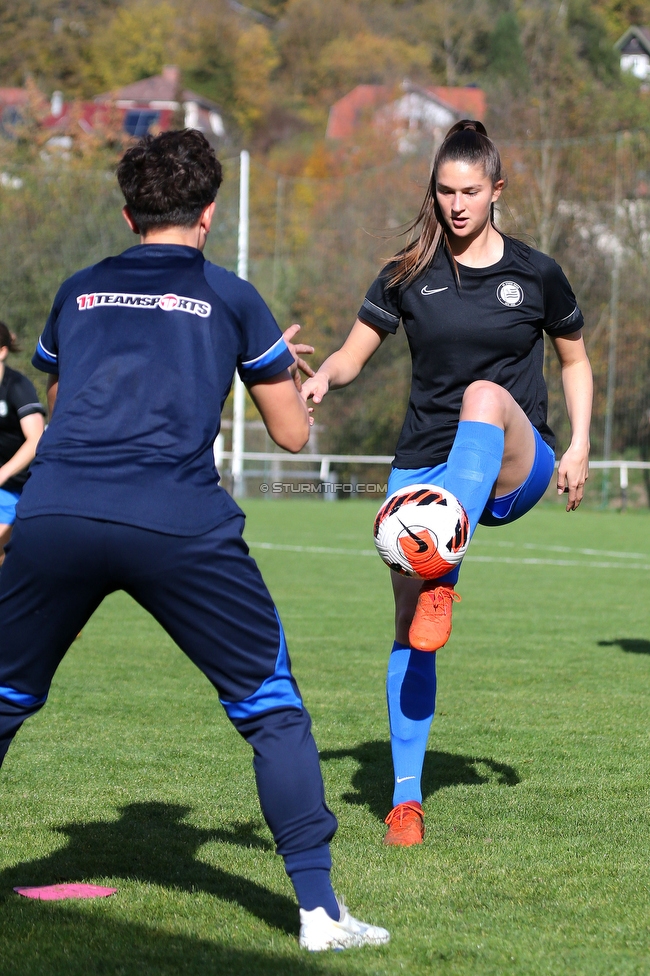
[400, 779]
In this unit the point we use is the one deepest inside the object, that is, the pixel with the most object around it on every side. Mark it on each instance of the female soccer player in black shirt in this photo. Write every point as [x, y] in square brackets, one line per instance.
[475, 305]
[21, 426]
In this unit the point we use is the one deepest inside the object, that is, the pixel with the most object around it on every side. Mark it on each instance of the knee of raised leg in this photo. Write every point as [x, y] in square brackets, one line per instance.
[484, 396]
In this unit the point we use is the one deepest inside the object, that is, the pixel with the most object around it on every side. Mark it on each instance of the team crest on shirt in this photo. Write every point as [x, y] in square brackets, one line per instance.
[510, 294]
[168, 303]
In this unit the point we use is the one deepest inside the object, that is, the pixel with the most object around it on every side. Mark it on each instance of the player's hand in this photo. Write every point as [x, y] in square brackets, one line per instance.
[316, 387]
[299, 365]
[572, 475]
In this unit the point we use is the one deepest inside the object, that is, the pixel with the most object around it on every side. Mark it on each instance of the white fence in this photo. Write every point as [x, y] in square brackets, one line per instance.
[278, 460]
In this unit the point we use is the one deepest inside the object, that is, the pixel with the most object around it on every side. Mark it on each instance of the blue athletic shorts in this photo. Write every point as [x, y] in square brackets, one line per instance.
[498, 511]
[8, 502]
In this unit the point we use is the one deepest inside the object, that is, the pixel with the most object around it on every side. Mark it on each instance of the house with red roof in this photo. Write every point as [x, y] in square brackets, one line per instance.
[153, 102]
[149, 105]
[411, 113]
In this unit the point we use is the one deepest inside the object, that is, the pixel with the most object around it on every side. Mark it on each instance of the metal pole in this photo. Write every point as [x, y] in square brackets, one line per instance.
[613, 325]
[239, 395]
[277, 250]
[624, 486]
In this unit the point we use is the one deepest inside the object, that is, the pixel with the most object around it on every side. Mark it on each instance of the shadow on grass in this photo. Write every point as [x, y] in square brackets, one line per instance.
[373, 780]
[46, 939]
[631, 645]
[150, 842]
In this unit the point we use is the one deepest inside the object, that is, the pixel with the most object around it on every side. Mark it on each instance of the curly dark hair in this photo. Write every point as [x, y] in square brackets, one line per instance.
[168, 180]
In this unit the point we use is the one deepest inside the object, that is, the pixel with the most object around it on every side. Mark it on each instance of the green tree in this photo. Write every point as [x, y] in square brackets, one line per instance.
[506, 52]
[305, 29]
[367, 59]
[255, 60]
[593, 42]
[459, 36]
[618, 15]
[48, 40]
[139, 39]
[210, 34]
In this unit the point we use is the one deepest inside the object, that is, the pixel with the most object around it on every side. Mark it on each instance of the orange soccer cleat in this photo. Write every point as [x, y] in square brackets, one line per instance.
[431, 625]
[405, 825]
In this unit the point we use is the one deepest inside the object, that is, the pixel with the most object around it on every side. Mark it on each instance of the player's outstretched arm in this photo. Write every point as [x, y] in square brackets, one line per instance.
[32, 427]
[296, 348]
[283, 410]
[577, 384]
[346, 363]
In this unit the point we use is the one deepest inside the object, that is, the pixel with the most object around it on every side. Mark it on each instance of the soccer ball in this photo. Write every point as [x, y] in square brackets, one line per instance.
[422, 531]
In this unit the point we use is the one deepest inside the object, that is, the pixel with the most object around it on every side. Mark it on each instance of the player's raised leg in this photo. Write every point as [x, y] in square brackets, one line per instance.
[486, 459]
[492, 454]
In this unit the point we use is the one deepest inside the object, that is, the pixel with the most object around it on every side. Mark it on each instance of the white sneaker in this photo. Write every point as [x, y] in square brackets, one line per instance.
[319, 932]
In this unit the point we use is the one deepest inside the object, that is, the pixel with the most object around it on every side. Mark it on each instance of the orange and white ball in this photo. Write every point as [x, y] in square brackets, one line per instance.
[422, 531]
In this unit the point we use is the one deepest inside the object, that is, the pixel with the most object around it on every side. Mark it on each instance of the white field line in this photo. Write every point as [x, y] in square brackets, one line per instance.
[318, 549]
[583, 552]
[556, 562]
[513, 560]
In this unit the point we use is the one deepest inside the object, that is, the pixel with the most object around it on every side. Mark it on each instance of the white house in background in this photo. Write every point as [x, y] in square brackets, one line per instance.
[408, 113]
[152, 101]
[634, 49]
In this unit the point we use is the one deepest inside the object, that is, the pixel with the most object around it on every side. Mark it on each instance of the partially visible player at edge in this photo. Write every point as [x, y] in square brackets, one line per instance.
[475, 305]
[21, 427]
[141, 350]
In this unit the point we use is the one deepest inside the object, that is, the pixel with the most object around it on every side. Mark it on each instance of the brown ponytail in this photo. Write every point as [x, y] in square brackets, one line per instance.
[8, 339]
[467, 141]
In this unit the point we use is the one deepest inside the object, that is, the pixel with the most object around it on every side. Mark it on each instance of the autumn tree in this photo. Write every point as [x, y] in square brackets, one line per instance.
[136, 42]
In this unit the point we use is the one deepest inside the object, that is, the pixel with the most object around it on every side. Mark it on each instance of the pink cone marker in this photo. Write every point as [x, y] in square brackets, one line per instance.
[60, 892]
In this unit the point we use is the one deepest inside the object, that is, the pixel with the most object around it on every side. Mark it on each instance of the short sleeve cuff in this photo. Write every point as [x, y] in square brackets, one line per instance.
[569, 324]
[379, 317]
[30, 408]
[45, 360]
[275, 360]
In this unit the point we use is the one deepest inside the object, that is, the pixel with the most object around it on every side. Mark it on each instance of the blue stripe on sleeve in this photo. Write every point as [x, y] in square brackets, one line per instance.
[261, 362]
[45, 360]
[45, 354]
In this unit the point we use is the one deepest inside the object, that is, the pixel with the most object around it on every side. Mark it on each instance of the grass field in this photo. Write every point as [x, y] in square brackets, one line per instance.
[537, 856]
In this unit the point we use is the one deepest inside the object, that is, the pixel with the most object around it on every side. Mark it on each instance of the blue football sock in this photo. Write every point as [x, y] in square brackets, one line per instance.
[411, 694]
[310, 875]
[473, 466]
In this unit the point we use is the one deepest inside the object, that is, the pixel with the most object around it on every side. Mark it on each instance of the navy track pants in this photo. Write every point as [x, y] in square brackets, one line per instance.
[208, 594]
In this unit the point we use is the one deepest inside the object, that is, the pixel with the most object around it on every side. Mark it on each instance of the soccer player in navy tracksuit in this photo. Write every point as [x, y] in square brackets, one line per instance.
[141, 350]
[475, 306]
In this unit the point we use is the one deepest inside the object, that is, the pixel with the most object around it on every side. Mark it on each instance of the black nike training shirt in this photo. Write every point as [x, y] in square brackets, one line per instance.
[489, 327]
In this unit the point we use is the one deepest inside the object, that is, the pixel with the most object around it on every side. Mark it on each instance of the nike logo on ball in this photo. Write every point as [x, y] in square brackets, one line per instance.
[433, 291]
[400, 779]
[421, 544]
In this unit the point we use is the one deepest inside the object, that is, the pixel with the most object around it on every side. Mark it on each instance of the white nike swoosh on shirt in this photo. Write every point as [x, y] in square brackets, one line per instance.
[400, 779]
[433, 291]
